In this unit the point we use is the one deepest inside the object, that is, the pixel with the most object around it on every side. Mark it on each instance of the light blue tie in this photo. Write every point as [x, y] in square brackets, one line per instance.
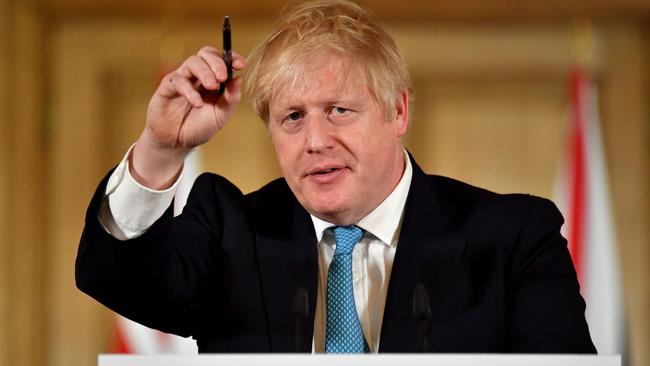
[343, 332]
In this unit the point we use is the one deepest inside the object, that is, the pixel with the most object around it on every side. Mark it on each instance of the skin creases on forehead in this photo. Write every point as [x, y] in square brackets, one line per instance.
[332, 75]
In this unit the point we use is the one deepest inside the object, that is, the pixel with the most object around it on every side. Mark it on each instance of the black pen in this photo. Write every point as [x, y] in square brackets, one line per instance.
[227, 52]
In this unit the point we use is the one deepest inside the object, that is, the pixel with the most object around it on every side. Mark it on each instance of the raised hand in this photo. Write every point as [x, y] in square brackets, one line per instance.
[185, 111]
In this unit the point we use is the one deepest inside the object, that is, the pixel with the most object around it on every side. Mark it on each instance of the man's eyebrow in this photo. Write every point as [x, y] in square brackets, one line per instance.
[281, 112]
[348, 100]
[291, 107]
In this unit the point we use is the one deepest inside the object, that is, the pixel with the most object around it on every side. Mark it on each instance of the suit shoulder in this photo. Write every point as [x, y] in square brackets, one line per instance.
[468, 198]
[460, 192]
[209, 186]
[213, 180]
[274, 195]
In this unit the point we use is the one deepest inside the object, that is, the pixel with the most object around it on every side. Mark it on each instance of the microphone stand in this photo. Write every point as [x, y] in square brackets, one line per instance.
[422, 314]
[300, 312]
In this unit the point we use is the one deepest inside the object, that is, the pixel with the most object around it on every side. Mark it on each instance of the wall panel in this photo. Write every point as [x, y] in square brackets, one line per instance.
[5, 177]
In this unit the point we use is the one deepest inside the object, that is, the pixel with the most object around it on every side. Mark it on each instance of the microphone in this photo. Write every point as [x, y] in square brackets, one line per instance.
[300, 311]
[422, 314]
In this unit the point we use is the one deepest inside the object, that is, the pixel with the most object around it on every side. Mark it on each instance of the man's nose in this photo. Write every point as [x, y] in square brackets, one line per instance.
[319, 134]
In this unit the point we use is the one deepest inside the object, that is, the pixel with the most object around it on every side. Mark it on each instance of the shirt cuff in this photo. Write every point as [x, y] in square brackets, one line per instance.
[129, 208]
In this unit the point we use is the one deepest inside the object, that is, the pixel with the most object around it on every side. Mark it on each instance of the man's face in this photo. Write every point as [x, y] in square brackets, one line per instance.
[339, 155]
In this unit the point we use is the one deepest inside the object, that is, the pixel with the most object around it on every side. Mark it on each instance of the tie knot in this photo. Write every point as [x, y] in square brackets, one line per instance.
[346, 237]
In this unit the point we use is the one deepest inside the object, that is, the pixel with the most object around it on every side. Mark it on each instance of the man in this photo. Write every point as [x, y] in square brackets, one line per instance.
[354, 222]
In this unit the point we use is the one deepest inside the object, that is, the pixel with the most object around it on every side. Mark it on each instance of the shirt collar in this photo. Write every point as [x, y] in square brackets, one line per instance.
[384, 221]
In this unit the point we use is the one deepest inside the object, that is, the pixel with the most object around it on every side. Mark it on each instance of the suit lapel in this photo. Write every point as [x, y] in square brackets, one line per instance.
[427, 253]
[288, 260]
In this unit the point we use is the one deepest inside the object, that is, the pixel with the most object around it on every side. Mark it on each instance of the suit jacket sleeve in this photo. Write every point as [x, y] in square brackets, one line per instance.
[158, 278]
[547, 309]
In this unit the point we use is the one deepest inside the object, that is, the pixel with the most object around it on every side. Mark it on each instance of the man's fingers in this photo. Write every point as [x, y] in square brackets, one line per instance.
[238, 61]
[213, 59]
[208, 49]
[230, 97]
[233, 91]
[205, 69]
[196, 67]
[185, 88]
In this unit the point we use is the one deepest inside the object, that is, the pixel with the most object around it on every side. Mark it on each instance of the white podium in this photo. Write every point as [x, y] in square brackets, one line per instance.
[360, 360]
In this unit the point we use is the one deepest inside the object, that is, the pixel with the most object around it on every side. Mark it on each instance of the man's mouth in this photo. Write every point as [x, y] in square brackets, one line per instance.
[326, 171]
[325, 174]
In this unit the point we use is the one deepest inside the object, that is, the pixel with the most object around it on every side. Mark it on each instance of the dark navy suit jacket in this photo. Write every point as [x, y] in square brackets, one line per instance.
[497, 270]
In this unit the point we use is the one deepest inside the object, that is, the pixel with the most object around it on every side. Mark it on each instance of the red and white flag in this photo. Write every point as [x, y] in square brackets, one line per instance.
[131, 337]
[582, 194]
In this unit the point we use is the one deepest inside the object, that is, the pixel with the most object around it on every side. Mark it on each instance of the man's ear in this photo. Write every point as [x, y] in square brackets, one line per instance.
[402, 113]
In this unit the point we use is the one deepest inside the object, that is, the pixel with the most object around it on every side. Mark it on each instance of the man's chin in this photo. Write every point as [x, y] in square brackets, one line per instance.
[329, 205]
[340, 217]
[328, 212]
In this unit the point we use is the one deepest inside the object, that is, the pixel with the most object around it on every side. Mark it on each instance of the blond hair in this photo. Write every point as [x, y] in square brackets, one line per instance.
[315, 29]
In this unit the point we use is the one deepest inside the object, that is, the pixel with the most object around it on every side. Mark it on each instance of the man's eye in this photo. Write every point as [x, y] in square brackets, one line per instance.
[339, 110]
[293, 116]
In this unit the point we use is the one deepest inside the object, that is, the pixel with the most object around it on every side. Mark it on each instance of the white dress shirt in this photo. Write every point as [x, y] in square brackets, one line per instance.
[372, 262]
[129, 209]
